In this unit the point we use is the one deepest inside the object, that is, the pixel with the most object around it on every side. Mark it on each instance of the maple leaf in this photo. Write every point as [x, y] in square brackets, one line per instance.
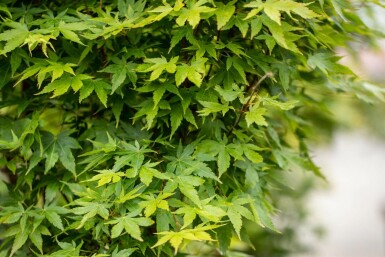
[120, 70]
[192, 13]
[14, 37]
[157, 66]
[273, 9]
[59, 148]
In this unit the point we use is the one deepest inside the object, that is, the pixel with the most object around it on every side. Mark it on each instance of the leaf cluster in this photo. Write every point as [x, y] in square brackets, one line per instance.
[138, 128]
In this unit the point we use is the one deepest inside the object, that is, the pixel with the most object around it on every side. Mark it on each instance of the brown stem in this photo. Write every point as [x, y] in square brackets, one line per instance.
[254, 89]
[104, 56]
[65, 197]
[86, 5]
[176, 222]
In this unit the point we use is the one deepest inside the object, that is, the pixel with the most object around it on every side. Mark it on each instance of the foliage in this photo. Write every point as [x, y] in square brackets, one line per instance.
[139, 128]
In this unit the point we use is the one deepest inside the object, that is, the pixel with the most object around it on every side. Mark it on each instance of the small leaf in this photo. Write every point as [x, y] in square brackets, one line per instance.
[236, 220]
[190, 192]
[255, 115]
[19, 241]
[224, 13]
[54, 219]
[37, 240]
[100, 89]
[176, 117]
[253, 156]
[212, 107]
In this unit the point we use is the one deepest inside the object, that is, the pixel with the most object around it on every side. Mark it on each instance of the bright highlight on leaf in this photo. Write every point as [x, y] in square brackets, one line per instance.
[274, 8]
[177, 238]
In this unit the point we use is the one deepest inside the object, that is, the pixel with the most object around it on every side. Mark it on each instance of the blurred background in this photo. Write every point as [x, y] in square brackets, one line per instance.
[347, 212]
[345, 215]
[351, 209]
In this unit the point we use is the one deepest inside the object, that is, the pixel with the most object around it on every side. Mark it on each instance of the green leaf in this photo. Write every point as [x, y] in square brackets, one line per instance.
[99, 86]
[222, 150]
[242, 25]
[252, 155]
[270, 101]
[70, 35]
[176, 238]
[192, 14]
[224, 13]
[37, 240]
[117, 230]
[120, 71]
[13, 38]
[224, 236]
[86, 90]
[117, 108]
[51, 158]
[276, 31]
[181, 74]
[326, 62]
[182, 32]
[19, 241]
[57, 69]
[88, 210]
[7, 73]
[133, 229]
[189, 191]
[15, 61]
[189, 116]
[54, 219]
[107, 176]
[235, 219]
[229, 94]
[157, 66]
[101, 91]
[194, 73]
[223, 161]
[273, 9]
[130, 225]
[212, 107]
[59, 148]
[256, 26]
[123, 253]
[255, 115]
[235, 48]
[147, 173]
[262, 214]
[176, 117]
[131, 155]
[151, 203]
[4, 9]
[58, 87]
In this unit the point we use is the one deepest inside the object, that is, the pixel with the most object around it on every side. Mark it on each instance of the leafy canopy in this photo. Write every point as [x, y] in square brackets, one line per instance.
[143, 128]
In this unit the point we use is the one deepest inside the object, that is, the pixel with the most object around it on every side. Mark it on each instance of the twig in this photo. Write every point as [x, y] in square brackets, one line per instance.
[104, 56]
[253, 88]
[86, 5]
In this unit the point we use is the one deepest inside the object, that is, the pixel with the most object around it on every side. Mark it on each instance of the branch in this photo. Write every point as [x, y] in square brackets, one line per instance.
[254, 89]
